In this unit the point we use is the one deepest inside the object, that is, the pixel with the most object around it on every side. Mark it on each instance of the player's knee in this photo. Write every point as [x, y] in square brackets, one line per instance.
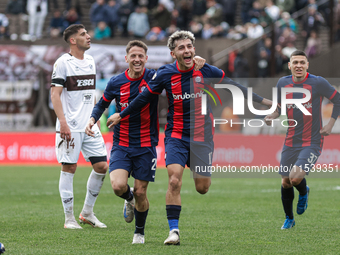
[101, 167]
[118, 188]
[140, 194]
[203, 188]
[175, 183]
[295, 181]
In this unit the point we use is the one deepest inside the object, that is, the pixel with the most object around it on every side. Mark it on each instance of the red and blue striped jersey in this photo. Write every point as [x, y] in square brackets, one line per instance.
[306, 131]
[140, 128]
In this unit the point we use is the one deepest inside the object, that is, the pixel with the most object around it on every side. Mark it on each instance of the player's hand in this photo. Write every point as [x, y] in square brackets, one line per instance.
[88, 129]
[65, 132]
[268, 119]
[199, 62]
[113, 120]
[327, 129]
[267, 102]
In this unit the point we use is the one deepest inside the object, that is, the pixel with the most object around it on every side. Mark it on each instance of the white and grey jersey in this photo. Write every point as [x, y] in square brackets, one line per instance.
[78, 79]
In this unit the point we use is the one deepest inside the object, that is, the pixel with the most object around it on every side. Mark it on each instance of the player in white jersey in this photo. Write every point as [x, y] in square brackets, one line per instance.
[73, 98]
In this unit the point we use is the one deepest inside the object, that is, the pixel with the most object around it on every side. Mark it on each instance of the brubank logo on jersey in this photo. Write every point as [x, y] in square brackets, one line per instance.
[85, 82]
[188, 96]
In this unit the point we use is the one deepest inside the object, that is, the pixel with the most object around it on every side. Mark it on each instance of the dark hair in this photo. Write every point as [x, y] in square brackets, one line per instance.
[299, 53]
[136, 43]
[71, 30]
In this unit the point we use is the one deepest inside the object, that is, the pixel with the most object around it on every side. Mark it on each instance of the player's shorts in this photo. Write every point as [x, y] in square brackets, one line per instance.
[140, 162]
[197, 156]
[303, 157]
[68, 152]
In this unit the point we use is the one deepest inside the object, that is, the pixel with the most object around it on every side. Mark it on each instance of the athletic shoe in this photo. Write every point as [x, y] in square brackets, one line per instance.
[138, 238]
[72, 224]
[173, 238]
[302, 203]
[129, 209]
[289, 223]
[91, 220]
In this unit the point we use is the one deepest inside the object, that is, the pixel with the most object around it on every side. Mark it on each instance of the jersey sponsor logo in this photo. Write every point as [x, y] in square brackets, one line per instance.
[86, 82]
[188, 96]
[293, 106]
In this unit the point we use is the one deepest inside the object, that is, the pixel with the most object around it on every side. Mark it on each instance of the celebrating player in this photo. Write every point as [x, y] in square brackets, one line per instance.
[188, 137]
[304, 139]
[73, 98]
[133, 151]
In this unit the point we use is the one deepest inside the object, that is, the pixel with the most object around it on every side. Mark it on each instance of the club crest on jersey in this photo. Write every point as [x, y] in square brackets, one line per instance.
[198, 79]
[77, 69]
[90, 66]
[142, 88]
[154, 76]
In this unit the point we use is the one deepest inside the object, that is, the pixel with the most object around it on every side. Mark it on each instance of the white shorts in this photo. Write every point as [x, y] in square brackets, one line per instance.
[68, 152]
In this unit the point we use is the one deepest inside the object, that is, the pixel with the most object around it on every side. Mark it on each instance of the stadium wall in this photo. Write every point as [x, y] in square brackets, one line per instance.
[230, 149]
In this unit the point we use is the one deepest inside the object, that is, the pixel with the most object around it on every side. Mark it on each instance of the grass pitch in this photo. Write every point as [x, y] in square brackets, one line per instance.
[236, 216]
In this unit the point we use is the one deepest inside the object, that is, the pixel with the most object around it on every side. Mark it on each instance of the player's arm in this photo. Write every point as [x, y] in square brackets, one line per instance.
[138, 103]
[65, 132]
[97, 112]
[199, 62]
[333, 95]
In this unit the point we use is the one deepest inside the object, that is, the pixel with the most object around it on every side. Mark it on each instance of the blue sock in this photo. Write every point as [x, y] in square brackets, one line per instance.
[173, 212]
[302, 187]
[128, 195]
[287, 196]
[140, 218]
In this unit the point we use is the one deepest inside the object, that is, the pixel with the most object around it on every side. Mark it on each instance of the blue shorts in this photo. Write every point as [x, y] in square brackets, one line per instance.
[191, 154]
[140, 162]
[303, 157]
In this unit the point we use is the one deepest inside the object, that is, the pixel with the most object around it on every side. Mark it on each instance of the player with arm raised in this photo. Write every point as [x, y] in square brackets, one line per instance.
[188, 136]
[135, 137]
[305, 134]
[73, 98]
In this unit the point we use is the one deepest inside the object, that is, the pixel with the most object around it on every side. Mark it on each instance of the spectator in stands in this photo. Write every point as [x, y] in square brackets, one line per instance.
[255, 30]
[196, 28]
[263, 63]
[255, 11]
[237, 33]
[229, 11]
[102, 31]
[246, 6]
[160, 17]
[71, 17]
[198, 9]
[98, 12]
[3, 26]
[311, 21]
[57, 25]
[69, 5]
[156, 34]
[313, 47]
[113, 15]
[287, 21]
[138, 24]
[182, 15]
[15, 14]
[272, 10]
[125, 9]
[37, 11]
[286, 5]
[289, 49]
[241, 66]
[214, 13]
[287, 36]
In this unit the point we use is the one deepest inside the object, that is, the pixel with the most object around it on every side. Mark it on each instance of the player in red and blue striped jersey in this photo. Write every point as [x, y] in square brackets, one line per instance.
[305, 135]
[133, 151]
[188, 134]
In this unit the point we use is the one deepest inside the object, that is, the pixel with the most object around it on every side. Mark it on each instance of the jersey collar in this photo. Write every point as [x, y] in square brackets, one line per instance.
[299, 82]
[133, 79]
[185, 71]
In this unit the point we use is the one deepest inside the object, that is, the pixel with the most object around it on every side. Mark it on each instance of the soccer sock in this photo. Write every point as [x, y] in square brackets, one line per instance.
[128, 195]
[302, 187]
[140, 218]
[66, 193]
[94, 184]
[287, 197]
[173, 212]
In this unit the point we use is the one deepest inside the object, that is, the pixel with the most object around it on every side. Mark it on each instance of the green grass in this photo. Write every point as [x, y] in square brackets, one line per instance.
[236, 216]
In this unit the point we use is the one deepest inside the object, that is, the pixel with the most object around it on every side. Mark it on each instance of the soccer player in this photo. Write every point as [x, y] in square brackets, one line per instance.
[73, 98]
[188, 137]
[304, 139]
[135, 137]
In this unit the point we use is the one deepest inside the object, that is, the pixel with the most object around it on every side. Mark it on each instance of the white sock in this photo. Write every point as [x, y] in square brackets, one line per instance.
[94, 184]
[66, 193]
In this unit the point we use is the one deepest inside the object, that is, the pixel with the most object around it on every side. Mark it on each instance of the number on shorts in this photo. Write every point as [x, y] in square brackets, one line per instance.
[154, 164]
[312, 159]
[210, 158]
[70, 144]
